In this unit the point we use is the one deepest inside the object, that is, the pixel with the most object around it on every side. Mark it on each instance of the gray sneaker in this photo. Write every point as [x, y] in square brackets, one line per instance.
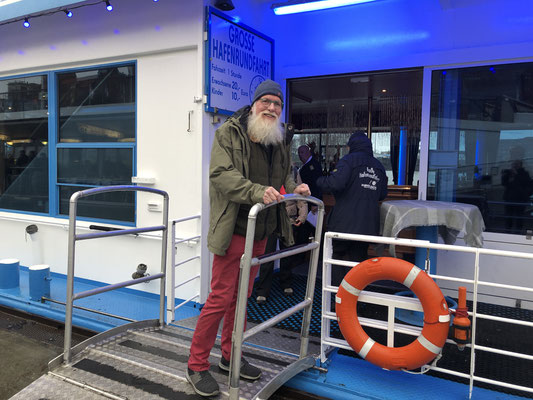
[202, 382]
[248, 371]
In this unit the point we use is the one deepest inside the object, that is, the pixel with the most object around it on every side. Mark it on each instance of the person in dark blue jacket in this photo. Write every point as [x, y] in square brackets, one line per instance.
[358, 184]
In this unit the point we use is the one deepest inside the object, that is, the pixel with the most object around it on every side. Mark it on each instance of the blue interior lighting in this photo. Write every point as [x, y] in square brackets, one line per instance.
[108, 6]
[402, 156]
[26, 23]
[68, 13]
[291, 8]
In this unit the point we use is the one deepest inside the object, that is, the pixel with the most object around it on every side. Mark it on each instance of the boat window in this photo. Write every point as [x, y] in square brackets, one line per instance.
[83, 138]
[481, 142]
[24, 144]
[387, 106]
[96, 138]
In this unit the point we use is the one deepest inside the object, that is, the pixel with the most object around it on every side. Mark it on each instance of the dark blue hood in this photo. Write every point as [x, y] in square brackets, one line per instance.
[359, 142]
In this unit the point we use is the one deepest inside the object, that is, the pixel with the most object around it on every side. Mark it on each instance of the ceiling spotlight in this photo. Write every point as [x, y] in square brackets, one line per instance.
[224, 5]
[68, 13]
[108, 6]
[26, 23]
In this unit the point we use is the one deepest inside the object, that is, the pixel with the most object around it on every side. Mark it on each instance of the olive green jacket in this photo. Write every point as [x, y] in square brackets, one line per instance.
[229, 185]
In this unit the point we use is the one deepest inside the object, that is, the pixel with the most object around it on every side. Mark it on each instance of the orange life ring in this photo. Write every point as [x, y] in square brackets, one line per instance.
[436, 314]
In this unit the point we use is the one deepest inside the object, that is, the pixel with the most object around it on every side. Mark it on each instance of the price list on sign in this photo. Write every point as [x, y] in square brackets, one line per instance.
[239, 59]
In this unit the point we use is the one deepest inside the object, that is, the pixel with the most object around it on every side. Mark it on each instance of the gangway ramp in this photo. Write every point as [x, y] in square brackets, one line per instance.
[142, 360]
[148, 359]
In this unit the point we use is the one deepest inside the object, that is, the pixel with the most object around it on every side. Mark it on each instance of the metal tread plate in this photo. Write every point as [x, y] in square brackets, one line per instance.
[151, 363]
[273, 338]
[53, 388]
[124, 379]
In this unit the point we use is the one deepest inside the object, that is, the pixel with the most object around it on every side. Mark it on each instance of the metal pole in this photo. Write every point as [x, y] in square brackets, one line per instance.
[70, 275]
[171, 277]
[311, 281]
[242, 298]
[474, 326]
[164, 249]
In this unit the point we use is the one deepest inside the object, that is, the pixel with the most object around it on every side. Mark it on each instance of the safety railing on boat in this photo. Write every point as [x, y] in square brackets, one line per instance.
[73, 237]
[393, 302]
[247, 261]
[172, 286]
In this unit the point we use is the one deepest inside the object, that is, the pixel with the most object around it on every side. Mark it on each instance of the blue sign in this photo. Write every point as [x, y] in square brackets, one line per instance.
[238, 59]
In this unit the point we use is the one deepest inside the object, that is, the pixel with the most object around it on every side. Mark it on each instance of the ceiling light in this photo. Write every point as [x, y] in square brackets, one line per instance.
[108, 6]
[68, 13]
[292, 7]
[26, 23]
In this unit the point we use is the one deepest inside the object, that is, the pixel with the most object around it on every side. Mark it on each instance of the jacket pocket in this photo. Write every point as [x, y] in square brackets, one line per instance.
[217, 218]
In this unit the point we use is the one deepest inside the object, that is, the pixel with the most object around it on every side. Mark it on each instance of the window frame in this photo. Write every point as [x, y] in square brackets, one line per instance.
[54, 145]
[514, 239]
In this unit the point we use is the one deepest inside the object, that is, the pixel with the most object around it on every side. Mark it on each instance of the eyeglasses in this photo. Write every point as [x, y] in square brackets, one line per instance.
[267, 102]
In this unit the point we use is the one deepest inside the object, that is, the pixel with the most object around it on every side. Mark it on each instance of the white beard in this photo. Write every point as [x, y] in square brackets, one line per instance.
[263, 130]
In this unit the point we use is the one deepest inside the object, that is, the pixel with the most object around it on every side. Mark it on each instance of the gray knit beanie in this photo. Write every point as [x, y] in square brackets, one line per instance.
[268, 87]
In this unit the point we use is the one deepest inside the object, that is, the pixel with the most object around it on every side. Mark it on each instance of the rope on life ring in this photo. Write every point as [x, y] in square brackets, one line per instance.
[436, 314]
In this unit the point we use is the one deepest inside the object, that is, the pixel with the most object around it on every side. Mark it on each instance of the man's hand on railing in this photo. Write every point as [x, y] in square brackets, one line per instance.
[271, 195]
[302, 190]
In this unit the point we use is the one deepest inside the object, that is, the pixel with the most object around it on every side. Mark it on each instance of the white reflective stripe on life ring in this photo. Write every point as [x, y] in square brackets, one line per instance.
[411, 276]
[366, 347]
[350, 289]
[428, 345]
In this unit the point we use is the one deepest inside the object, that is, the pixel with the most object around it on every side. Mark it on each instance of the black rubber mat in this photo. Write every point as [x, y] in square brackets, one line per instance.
[500, 335]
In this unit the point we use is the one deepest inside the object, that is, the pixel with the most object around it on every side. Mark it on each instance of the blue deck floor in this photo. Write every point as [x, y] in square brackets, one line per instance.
[347, 377]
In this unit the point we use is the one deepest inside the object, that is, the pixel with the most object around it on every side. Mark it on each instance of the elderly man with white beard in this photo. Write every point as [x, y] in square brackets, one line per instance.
[250, 161]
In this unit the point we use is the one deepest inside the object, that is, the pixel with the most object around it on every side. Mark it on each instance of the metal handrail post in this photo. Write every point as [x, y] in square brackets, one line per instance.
[171, 276]
[164, 244]
[72, 237]
[70, 275]
[311, 281]
[244, 279]
[242, 299]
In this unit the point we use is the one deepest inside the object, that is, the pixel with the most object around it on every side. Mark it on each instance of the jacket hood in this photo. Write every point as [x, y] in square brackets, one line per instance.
[359, 142]
[242, 115]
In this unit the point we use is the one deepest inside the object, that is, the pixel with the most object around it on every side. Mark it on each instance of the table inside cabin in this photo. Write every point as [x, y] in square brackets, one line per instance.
[432, 218]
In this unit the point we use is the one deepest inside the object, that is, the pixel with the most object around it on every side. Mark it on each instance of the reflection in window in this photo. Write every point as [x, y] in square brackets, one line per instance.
[481, 142]
[387, 106]
[97, 105]
[94, 166]
[117, 206]
[23, 144]
[96, 139]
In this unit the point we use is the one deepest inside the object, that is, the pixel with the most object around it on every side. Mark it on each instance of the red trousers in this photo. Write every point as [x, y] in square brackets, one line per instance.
[221, 303]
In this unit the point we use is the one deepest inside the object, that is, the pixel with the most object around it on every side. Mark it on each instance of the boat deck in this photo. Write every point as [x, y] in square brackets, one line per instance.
[346, 377]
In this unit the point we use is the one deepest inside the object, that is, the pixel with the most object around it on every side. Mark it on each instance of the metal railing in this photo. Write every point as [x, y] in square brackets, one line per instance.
[73, 237]
[242, 297]
[171, 308]
[393, 302]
